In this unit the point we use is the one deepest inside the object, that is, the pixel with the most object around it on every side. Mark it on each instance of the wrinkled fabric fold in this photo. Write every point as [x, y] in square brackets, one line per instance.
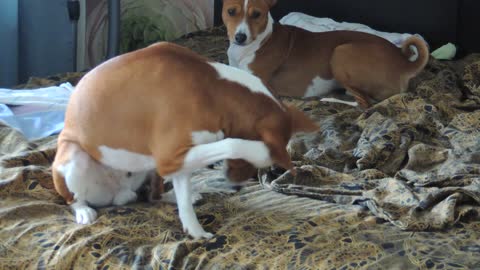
[413, 159]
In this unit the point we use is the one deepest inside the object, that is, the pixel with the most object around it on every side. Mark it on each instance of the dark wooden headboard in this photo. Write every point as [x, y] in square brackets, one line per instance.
[439, 21]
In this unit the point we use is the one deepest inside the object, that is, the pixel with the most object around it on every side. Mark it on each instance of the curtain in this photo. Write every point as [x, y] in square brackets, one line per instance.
[143, 22]
[8, 43]
[36, 39]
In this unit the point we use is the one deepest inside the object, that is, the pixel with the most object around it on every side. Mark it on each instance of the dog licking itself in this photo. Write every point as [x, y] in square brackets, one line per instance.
[167, 109]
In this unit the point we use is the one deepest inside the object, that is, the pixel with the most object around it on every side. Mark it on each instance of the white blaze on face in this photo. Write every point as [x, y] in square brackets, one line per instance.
[243, 28]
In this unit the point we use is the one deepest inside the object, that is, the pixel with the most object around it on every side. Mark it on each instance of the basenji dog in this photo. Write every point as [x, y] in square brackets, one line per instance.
[296, 62]
[167, 109]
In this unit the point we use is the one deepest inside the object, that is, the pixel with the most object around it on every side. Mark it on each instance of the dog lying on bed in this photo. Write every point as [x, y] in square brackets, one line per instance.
[167, 109]
[296, 62]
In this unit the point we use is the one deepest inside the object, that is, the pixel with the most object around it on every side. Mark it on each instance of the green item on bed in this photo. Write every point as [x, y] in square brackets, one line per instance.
[446, 52]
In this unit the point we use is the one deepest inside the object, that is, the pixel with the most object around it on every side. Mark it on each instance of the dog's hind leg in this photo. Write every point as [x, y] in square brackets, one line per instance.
[67, 168]
[82, 181]
[362, 100]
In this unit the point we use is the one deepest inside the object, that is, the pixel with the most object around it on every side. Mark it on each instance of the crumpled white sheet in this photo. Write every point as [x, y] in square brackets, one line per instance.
[314, 24]
[36, 113]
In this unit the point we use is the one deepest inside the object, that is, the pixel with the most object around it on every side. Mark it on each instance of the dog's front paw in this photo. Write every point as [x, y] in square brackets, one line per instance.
[196, 231]
[85, 215]
[199, 234]
[207, 235]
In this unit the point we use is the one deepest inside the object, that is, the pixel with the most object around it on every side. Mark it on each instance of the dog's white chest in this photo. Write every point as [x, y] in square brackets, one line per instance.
[241, 57]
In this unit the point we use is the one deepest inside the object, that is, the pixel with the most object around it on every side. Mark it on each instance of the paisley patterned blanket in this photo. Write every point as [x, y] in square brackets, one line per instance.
[413, 159]
[394, 187]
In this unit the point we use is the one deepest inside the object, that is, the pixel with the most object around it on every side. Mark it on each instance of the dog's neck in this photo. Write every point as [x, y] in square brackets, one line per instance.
[241, 56]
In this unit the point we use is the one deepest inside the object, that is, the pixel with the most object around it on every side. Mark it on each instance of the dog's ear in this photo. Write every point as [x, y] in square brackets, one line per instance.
[271, 3]
[278, 149]
[300, 122]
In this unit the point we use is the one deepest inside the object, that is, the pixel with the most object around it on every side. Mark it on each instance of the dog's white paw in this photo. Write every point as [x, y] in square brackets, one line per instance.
[194, 229]
[207, 235]
[124, 196]
[85, 215]
[334, 100]
[198, 233]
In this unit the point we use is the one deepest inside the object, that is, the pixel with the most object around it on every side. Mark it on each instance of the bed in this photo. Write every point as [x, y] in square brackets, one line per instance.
[393, 187]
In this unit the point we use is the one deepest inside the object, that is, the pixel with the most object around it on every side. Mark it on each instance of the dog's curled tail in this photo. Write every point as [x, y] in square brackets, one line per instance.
[416, 51]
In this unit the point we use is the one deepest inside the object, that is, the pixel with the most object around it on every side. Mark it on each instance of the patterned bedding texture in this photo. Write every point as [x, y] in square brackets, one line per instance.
[393, 187]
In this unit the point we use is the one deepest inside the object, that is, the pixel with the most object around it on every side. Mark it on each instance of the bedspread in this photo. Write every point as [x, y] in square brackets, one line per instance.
[394, 187]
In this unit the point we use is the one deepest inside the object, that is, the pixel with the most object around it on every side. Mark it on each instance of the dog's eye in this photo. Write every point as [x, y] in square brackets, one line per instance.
[231, 12]
[256, 14]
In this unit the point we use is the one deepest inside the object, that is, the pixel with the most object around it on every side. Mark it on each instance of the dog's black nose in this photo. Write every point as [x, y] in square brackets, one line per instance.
[240, 38]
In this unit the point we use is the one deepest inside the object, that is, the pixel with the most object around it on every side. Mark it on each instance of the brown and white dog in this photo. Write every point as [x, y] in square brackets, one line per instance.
[296, 62]
[167, 109]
